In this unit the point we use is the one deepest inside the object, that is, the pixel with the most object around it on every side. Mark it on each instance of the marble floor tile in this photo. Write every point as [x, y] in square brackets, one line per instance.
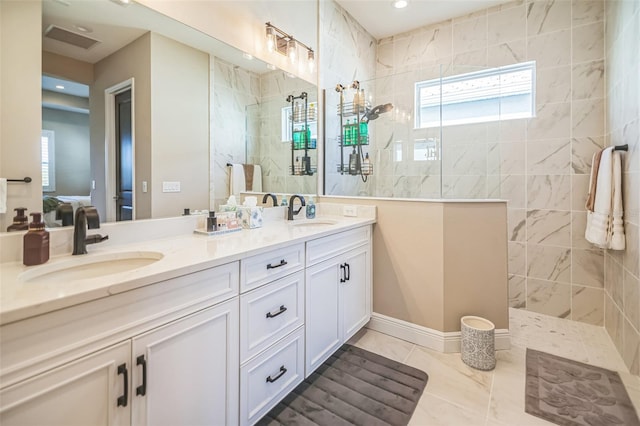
[457, 394]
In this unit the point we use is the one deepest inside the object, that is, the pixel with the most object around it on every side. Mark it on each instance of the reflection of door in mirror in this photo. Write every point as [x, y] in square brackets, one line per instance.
[124, 156]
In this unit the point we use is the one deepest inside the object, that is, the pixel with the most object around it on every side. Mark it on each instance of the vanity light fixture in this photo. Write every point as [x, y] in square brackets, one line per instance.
[400, 4]
[287, 45]
[59, 87]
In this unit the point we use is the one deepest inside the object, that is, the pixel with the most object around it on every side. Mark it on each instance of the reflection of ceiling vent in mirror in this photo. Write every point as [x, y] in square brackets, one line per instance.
[66, 36]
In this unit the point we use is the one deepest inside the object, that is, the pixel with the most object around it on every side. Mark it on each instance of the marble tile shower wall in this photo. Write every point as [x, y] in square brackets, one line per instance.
[265, 146]
[622, 268]
[541, 165]
[348, 52]
[233, 89]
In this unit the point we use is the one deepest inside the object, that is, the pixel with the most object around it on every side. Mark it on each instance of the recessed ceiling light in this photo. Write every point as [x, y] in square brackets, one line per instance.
[247, 56]
[59, 86]
[83, 28]
[271, 67]
[399, 4]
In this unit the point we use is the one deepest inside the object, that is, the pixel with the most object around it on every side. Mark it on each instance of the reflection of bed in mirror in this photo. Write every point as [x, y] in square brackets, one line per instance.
[50, 203]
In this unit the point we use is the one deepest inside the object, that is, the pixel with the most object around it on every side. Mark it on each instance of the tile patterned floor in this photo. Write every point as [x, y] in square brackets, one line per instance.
[458, 395]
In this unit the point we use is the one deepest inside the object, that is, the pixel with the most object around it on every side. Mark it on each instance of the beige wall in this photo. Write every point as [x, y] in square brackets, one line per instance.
[179, 126]
[132, 61]
[20, 110]
[435, 262]
[622, 268]
[67, 68]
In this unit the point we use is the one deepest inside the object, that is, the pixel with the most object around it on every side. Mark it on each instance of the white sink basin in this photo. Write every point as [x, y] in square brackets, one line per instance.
[314, 222]
[88, 266]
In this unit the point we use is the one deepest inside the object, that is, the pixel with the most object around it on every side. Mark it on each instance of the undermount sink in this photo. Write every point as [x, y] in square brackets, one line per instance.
[90, 266]
[314, 222]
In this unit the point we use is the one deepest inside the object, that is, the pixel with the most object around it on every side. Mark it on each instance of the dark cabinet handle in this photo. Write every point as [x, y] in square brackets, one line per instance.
[282, 263]
[142, 389]
[282, 309]
[122, 400]
[280, 374]
[348, 270]
[343, 274]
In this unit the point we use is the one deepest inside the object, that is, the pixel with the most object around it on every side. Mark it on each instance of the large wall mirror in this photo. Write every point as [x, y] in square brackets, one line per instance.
[195, 105]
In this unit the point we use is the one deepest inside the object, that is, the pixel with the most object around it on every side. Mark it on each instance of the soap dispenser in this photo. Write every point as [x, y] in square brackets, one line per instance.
[20, 221]
[36, 242]
[311, 208]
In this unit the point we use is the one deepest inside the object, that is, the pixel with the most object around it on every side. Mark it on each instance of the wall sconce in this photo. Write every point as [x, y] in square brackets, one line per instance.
[285, 44]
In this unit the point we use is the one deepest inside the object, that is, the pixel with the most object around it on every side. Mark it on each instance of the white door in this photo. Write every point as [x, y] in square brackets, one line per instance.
[93, 390]
[322, 319]
[355, 296]
[191, 370]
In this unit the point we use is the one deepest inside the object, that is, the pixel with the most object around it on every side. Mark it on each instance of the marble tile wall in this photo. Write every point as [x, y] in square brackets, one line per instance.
[233, 89]
[540, 165]
[622, 283]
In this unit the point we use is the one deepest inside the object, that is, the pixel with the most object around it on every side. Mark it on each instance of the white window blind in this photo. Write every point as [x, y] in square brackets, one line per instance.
[47, 144]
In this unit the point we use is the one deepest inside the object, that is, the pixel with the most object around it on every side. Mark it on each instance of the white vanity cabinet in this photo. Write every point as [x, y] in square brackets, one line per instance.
[271, 329]
[160, 354]
[338, 292]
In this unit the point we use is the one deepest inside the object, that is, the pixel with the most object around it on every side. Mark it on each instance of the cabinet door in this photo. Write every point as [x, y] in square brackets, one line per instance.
[191, 370]
[87, 391]
[322, 319]
[355, 293]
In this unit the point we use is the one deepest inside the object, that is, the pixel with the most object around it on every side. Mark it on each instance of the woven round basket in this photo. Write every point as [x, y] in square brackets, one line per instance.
[478, 342]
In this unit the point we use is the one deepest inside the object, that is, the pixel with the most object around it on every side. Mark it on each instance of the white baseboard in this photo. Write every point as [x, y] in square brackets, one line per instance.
[429, 338]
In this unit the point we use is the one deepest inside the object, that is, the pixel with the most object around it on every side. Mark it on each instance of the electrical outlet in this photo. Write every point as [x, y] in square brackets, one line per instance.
[93, 184]
[170, 186]
[350, 211]
[144, 186]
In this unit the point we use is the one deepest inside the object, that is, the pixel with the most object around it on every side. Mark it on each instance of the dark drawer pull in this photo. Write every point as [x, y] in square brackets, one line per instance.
[348, 271]
[282, 309]
[123, 399]
[343, 273]
[280, 374]
[282, 263]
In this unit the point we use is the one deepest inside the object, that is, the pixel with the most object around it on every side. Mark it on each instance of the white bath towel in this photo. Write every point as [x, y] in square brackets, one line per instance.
[3, 195]
[605, 227]
[236, 180]
[257, 178]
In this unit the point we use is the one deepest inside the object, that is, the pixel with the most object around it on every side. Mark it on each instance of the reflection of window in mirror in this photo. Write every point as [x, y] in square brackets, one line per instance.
[47, 143]
[397, 151]
[312, 122]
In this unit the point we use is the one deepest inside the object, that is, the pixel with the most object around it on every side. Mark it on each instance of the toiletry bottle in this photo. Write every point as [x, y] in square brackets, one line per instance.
[356, 100]
[284, 200]
[20, 221]
[354, 163]
[212, 222]
[311, 209]
[364, 132]
[366, 165]
[36, 242]
[346, 134]
[362, 100]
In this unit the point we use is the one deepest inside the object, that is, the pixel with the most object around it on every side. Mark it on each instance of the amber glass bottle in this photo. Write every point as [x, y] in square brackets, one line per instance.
[36, 242]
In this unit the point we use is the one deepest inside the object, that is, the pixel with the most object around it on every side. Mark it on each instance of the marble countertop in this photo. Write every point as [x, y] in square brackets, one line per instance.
[20, 299]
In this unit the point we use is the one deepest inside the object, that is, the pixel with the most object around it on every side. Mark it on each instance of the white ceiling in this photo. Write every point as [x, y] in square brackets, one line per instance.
[381, 19]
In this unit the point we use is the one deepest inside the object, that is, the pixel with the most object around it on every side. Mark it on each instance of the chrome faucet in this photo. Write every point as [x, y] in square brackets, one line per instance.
[290, 211]
[273, 198]
[86, 217]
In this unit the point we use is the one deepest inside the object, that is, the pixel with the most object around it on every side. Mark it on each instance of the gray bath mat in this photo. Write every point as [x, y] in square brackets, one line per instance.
[570, 393]
[353, 387]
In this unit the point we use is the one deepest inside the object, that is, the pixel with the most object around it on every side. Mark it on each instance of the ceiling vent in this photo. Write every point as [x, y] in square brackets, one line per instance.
[66, 36]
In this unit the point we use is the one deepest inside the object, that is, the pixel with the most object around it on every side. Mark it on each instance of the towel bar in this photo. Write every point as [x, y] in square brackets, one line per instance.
[624, 147]
[25, 180]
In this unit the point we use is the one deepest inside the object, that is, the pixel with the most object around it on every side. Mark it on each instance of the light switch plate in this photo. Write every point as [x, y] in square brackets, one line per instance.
[144, 186]
[170, 186]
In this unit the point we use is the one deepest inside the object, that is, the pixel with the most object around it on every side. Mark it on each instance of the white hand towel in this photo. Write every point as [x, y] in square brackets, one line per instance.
[257, 178]
[605, 227]
[3, 195]
[236, 180]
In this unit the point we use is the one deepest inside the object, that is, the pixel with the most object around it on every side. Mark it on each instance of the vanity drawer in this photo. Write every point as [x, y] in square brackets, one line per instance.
[327, 247]
[263, 268]
[269, 313]
[265, 380]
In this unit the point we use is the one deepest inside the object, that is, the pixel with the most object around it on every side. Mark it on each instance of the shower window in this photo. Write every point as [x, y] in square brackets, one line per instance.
[494, 94]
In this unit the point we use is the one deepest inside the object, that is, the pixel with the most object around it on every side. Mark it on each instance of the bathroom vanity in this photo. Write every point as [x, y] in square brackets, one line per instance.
[213, 330]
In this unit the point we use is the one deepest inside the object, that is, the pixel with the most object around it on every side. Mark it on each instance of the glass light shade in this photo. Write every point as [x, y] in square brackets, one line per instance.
[271, 39]
[311, 60]
[292, 51]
